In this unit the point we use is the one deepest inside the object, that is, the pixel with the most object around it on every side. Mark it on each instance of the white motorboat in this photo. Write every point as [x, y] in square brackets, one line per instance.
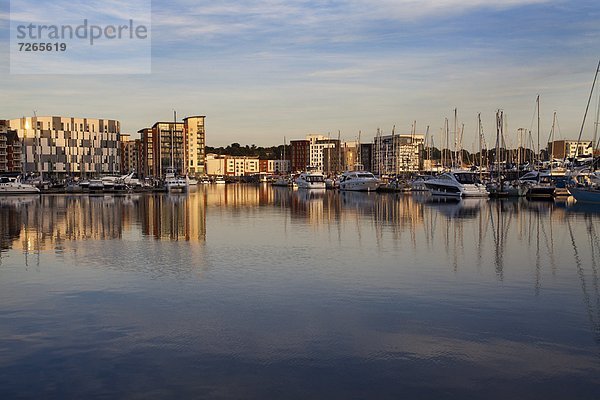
[13, 185]
[418, 183]
[310, 180]
[219, 180]
[359, 181]
[95, 185]
[457, 184]
[539, 184]
[175, 183]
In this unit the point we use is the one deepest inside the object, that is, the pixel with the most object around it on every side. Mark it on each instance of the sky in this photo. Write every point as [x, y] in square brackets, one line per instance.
[262, 71]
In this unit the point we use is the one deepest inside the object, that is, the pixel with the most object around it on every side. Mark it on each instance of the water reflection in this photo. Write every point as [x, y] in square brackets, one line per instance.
[251, 291]
[42, 223]
[458, 234]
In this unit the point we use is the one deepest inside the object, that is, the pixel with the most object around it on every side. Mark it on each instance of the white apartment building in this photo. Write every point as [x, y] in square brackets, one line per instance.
[317, 144]
[231, 166]
[570, 148]
[62, 146]
[394, 154]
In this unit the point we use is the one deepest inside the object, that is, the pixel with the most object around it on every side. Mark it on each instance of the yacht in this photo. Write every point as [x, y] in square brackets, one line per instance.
[586, 194]
[457, 184]
[539, 184]
[220, 180]
[310, 180]
[417, 184]
[175, 183]
[359, 181]
[95, 185]
[10, 185]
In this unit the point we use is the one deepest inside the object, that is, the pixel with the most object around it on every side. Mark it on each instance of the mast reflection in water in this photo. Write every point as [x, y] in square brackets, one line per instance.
[258, 292]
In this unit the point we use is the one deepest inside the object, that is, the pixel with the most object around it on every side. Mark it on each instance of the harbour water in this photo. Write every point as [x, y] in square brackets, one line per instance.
[242, 291]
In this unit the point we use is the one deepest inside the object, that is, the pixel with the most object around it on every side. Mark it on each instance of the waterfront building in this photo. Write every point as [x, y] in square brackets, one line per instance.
[177, 145]
[62, 146]
[168, 148]
[318, 144]
[561, 149]
[147, 152]
[234, 166]
[278, 167]
[366, 156]
[195, 145]
[394, 154]
[10, 149]
[130, 154]
[300, 154]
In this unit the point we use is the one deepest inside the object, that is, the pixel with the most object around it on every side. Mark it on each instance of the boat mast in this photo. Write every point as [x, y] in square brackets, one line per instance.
[454, 137]
[172, 135]
[552, 141]
[480, 151]
[539, 150]
[498, 128]
[595, 143]
[447, 133]
[586, 111]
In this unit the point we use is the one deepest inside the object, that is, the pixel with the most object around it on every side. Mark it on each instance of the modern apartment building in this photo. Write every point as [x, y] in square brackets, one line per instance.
[195, 146]
[560, 149]
[65, 146]
[395, 154]
[174, 145]
[231, 165]
[318, 143]
[10, 149]
[168, 145]
[130, 154]
[147, 152]
[300, 154]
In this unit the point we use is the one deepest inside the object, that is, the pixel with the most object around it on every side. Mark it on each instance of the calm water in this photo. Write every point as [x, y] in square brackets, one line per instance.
[253, 292]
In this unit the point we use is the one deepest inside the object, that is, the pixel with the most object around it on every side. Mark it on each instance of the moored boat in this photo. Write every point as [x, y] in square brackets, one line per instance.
[359, 181]
[589, 194]
[310, 180]
[457, 184]
[13, 185]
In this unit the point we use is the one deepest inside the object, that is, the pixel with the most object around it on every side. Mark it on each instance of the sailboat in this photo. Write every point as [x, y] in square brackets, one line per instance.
[590, 193]
[540, 188]
[174, 183]
[283, 180]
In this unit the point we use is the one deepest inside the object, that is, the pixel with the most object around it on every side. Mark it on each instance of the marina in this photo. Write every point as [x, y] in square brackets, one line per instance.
[254, 290]
[300, 200]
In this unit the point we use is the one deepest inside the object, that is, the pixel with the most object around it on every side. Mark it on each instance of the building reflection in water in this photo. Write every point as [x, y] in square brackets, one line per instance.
[47, 223]
[457, 234]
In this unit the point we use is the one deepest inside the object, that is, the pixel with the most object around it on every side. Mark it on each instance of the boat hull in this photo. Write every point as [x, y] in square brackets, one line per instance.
[368, 186]
[542, 192]
[443, 190]
[17, 191]
[586, 195]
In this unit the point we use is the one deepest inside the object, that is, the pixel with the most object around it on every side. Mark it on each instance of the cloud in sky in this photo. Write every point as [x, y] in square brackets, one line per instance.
[261, 70]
